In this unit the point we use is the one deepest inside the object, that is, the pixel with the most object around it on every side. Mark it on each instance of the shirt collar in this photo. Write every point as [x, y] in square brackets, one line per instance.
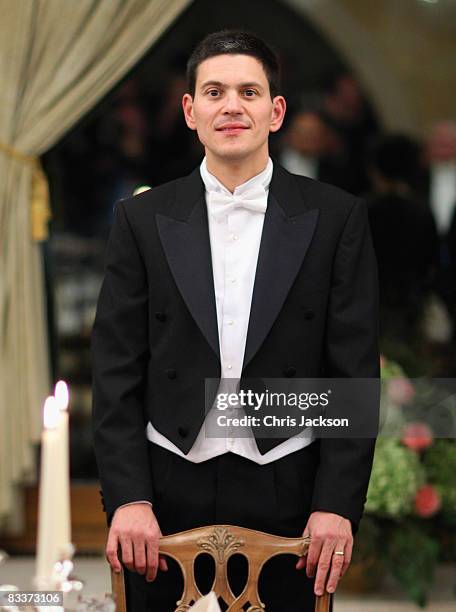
[213, 184]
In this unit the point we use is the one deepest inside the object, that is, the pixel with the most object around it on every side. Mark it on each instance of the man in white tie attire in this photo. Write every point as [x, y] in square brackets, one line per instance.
[239, 270]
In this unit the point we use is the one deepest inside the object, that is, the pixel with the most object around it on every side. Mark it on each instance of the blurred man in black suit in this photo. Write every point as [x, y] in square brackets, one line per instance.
[404, 237]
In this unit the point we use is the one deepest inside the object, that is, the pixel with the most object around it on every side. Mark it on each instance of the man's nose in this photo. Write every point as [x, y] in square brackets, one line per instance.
[233, 103]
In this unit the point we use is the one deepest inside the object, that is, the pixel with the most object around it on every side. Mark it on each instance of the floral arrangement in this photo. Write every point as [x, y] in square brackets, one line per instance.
[411, 501]
[397, 477]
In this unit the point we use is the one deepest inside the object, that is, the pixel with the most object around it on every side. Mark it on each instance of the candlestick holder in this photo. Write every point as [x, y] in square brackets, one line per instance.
[62, 579]
[92, 604]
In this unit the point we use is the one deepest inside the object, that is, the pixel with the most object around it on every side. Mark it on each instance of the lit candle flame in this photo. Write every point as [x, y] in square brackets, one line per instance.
[61, 394]
[51, 413]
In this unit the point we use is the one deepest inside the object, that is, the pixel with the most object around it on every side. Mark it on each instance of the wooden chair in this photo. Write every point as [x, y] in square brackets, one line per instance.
[222, 541]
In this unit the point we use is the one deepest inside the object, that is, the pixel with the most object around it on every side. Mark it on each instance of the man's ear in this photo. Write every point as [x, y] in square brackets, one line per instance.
[278, 113]
[187, 105]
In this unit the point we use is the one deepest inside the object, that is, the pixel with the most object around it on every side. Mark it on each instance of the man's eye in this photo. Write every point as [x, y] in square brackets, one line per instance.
[249, 92]
[212, 91]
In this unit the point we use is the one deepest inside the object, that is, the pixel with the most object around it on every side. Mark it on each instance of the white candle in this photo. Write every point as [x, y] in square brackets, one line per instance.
[49, 503]
[64, 520]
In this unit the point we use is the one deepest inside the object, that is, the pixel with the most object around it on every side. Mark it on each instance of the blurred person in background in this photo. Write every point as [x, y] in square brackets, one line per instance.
[120, 153]
[404, 236]
[174, 148]
[133, 160]
[439, 187]
[344, 107]
[311, 148]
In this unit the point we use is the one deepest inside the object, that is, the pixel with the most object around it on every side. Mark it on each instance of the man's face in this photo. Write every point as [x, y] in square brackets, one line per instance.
[232, 110]
[441, 146]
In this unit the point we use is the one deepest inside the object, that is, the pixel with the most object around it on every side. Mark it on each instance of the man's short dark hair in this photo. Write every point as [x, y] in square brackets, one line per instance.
[235, 42]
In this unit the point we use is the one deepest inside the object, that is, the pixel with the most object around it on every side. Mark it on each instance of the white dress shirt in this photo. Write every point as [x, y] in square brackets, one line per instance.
[304, 165]
[235, 243]
[443, 194]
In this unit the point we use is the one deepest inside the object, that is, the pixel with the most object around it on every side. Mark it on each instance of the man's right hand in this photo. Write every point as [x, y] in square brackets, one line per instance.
[135, 528]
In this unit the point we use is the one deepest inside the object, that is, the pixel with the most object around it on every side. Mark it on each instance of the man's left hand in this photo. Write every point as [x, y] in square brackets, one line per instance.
[329, 532]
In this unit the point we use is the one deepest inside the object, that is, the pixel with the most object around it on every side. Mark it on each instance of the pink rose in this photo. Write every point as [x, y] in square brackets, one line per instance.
[417, 436]
[400, 390]
[427, 501]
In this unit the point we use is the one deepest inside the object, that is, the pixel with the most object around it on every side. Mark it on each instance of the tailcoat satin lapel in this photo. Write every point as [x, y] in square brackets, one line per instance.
[185, 238]
[287, 233]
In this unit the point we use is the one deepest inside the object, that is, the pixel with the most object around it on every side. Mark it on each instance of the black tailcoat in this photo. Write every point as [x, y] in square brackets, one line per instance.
[155, 338]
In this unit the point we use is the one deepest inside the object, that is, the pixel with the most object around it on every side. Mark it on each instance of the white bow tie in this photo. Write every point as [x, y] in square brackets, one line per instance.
[221, 203]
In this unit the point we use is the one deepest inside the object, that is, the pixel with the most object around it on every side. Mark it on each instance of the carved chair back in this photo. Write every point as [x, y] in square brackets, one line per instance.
[221, 542]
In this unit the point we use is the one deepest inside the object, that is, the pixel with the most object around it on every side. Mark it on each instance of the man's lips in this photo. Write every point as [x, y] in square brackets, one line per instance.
[234, 128]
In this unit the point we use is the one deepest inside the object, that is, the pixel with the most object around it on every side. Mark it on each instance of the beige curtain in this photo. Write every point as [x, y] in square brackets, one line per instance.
[57, 59]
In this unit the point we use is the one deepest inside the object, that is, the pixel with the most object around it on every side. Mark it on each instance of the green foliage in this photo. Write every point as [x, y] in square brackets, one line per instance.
[412, 555]
[368, 539]
[405, 355]
[390, 532]
[396, 476]
[391, 369]
[440, 464]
